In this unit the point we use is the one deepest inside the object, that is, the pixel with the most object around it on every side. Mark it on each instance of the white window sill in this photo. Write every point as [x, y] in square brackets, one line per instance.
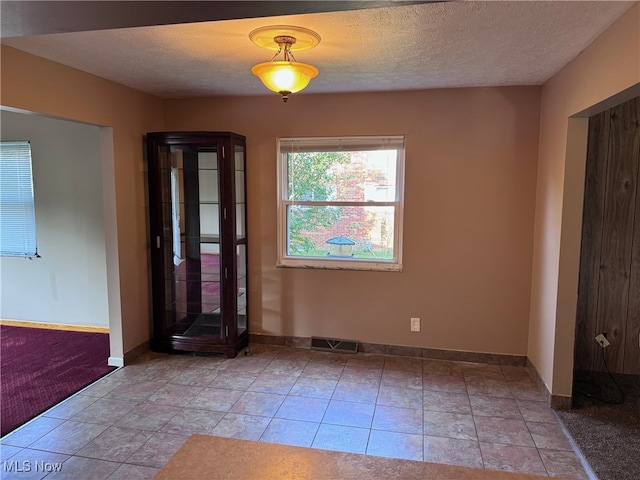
[339, 264]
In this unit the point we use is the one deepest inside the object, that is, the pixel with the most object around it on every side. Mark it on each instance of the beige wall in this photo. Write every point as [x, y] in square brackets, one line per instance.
[469, 211]
[36, 85]
[610, 65]
[468, 217]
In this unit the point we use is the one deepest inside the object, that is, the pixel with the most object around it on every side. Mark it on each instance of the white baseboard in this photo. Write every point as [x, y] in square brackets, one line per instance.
[116, 362]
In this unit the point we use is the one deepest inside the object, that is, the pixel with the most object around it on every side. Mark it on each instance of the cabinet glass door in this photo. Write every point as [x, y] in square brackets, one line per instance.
[193, 243]
[241, 238]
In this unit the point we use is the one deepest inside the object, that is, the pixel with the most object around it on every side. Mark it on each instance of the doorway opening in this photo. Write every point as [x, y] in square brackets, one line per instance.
[73, 283]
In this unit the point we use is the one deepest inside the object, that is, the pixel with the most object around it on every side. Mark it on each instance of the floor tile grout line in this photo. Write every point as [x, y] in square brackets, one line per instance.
[289, 394]
[542, 461]
[475, 428]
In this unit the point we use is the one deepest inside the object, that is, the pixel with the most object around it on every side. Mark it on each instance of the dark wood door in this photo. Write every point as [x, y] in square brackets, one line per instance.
[609, 284]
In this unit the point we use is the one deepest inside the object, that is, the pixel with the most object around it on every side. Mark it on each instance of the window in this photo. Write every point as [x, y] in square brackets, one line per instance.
[17, 214]
[340, 202]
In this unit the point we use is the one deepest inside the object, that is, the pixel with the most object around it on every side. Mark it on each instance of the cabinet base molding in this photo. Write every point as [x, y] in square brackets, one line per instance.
[231, 350]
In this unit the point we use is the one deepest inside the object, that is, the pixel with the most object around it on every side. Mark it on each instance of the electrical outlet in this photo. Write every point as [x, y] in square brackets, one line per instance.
[415, 324]
[602, 340]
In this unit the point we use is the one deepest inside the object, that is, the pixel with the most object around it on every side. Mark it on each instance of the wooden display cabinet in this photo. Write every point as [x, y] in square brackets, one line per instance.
[197, 207]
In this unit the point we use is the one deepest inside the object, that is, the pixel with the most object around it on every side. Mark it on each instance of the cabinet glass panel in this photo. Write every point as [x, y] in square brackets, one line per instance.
[239, 161]
[239, 157]
[241, 231]
[239, 186]
[209, 221]
[239, 174]
[195, 251]
[241, 258]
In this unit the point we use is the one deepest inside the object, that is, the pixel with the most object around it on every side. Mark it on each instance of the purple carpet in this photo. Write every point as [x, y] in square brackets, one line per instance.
[41, 367]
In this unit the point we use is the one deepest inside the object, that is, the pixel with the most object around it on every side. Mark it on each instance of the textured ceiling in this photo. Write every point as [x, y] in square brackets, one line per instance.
[435, 45]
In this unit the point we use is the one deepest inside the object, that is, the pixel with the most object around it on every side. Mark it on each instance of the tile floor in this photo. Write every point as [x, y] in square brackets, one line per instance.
[128, 424]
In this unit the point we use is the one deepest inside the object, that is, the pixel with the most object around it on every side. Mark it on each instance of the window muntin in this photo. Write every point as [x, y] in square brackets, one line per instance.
[17, 211]
[340, 202]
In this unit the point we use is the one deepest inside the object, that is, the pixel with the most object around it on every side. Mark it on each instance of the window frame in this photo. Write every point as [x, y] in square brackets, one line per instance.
[22, 199]
[353, 143]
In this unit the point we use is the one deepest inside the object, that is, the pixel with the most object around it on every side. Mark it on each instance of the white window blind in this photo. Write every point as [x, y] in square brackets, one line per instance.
[17, 212]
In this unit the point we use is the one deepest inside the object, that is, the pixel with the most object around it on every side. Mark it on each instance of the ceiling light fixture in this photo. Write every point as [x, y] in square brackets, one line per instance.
[284, 76]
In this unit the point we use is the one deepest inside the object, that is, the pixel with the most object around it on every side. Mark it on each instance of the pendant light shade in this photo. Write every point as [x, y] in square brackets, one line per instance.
[285, 76]
[289, 77]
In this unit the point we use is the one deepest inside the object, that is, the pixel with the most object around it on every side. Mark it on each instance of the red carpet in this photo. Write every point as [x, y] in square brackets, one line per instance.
[40, 367]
